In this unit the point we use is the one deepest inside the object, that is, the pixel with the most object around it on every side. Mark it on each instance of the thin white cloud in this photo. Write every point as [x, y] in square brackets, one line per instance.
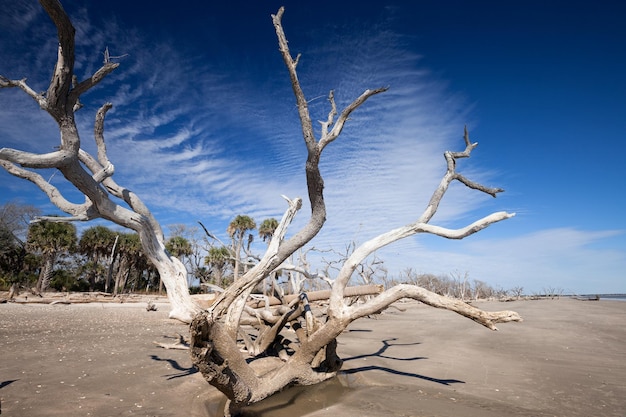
[564, 258]
[196, 142]
[379, 174]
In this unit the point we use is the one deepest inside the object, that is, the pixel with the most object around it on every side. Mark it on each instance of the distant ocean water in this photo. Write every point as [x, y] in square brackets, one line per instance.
[615, 297]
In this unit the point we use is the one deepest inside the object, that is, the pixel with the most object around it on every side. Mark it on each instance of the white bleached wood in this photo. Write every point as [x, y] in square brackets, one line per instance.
[91, 176]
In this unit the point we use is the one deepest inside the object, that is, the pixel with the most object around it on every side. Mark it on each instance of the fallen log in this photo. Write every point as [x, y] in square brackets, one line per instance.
[355, 291]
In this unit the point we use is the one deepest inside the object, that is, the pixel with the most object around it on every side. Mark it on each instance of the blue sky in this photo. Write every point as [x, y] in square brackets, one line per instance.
[204, 125]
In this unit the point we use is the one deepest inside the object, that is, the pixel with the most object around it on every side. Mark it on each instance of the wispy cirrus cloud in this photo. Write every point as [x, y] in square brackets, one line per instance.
[205, 129]
[197, 142]
[569, 259]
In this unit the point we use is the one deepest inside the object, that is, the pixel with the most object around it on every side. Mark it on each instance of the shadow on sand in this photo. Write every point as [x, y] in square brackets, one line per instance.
[174, 364]
[380, 354]
[8, 382]
[299, 400]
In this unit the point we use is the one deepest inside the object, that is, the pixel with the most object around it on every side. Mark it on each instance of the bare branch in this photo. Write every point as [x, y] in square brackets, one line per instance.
[135, 203]
[452, 175]
[39, 98]
[397, 292]
[98, 76]
[99, 172]
[476, 186]
[108, 57]
[420, 226]
[59, 219]
[33, 160]
[61, 101]
[290, 267]
[338, 127]
[315, 182]
[331, 114]
[466, 231]
[103, 174]
[99, 137]
[83, 211]
[180, 344]
[469, 146]
[303, 109]
[234, 298]
[58, 91]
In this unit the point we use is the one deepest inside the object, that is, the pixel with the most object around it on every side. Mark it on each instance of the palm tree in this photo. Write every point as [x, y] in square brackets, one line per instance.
[131, 258]
[267, 229]
[179, 247]
[217, 260]
[14, 221]
[10, 249]
[50, 239]
[237, 230]
[95, 243]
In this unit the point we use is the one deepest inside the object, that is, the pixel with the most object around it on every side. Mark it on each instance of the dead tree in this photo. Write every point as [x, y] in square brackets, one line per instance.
[91, 175]
[310, 357]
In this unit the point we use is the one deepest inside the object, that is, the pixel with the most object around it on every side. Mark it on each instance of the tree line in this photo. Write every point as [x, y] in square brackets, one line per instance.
[46, 255]
[42, 255]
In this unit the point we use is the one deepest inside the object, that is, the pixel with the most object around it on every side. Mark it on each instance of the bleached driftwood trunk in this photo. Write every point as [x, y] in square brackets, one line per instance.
[61, 101]
[308, 355]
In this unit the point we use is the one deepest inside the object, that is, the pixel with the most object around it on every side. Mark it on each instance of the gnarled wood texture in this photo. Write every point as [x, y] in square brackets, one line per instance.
[296, 338]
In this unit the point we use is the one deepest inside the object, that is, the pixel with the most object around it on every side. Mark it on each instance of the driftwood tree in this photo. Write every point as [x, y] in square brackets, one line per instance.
[311, 357]
[91, 175]
[295, 339]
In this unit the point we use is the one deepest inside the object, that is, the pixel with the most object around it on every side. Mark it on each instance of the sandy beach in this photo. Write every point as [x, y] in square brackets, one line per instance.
[568, 358]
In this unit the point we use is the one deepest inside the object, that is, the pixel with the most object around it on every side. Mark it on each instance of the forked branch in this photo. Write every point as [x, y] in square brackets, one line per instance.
[91, 176]
[234, 298]
[315, 182]
[215, 351]
[421, 225]
[313, 358]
